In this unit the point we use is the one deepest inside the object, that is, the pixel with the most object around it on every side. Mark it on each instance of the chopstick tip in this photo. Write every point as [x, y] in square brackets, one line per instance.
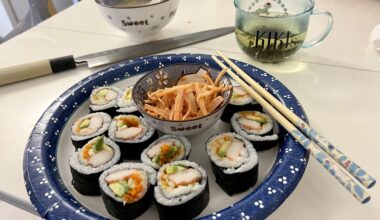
[372, 184]
[366, 200]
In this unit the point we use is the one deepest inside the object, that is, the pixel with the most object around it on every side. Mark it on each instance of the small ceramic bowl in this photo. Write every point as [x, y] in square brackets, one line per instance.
[167, 77]
[140, 19]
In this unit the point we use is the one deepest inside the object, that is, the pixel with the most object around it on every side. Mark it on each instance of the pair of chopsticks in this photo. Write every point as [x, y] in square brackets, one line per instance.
[347, 172]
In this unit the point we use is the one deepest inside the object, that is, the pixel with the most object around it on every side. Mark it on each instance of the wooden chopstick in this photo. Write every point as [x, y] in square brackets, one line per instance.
[350, 166]
[219, 77]
[328, 163]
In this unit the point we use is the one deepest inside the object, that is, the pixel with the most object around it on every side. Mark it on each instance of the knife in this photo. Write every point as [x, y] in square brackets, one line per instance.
[55, 65]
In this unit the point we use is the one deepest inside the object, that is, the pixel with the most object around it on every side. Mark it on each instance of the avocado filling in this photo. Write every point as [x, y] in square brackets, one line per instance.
[167, 152]
[129, 188]
[84, 124]
[96, 153]
[128, 94]
[103, 96]
[128, 127]
[99, 145]
[88, 125]
[174, 168]
[227, 147]
[252, 121]
[178, 175]
[254, 116]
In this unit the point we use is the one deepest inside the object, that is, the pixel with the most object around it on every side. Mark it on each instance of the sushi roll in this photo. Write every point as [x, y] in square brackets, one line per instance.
[240, 101]
[88, 162]
[133, 134]
[88, 127]
[166, 149]
[104, 99]
[126, 105]
[234, 162]
[127, 189]
[257, 127]
[182, 190]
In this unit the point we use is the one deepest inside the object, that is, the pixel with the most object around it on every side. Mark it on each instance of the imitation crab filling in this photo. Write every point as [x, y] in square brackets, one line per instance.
[166, 151]
[227, 150]
[240, 97]
[130, 184]
[103, 96]
[128, 127]
[253, 121]
[96, 153]
[88, 125]
[178, 179]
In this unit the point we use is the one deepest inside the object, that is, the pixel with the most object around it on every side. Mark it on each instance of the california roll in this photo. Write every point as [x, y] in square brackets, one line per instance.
[104, 99]
[240, 101]
[257, 127]
[88, 162]
[127, 189]
[88, 127]
[126, 105]
[166, 149]
[133, 134]
[234, 162]
[182, 190]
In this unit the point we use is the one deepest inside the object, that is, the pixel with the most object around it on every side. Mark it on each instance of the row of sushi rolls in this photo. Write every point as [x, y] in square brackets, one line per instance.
[119, 156]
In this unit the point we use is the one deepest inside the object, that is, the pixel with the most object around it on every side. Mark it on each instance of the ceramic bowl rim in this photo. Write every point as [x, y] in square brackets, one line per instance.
[142, 111]
[99, 2]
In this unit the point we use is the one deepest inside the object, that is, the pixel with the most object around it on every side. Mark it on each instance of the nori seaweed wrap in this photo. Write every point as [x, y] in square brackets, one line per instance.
[127, 189]
[104, 99]
[133, 134]
[182, 190]
[87, 163]
[256, 127]
[89, 126]
[240, 101]
[234, 162]
[166, 149]
[126, 105]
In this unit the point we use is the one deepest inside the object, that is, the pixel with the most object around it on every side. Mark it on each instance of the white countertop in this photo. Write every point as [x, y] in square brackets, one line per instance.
[337, 83]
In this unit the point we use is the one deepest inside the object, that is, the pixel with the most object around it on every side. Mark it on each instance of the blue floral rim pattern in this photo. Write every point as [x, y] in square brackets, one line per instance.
[53, 201]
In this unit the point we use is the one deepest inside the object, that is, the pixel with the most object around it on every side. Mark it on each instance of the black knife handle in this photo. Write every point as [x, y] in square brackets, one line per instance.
[62, 63]
[35, 69]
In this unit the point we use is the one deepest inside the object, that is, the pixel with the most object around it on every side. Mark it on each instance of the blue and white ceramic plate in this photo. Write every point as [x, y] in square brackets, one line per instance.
[46, 168]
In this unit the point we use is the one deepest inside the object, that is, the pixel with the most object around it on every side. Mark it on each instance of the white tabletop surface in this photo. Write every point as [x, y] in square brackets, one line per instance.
[337, 82]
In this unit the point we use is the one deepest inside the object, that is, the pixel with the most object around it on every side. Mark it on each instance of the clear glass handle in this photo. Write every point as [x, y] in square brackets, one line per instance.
[324, 34]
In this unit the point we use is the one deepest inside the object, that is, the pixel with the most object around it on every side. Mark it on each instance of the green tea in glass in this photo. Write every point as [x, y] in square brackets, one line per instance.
[271, 31]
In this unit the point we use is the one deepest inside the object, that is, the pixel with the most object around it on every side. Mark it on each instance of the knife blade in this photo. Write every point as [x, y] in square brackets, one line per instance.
[46, 67]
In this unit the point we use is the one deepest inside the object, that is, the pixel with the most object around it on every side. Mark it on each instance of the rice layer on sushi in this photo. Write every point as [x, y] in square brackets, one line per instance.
[182, 190]
[240, 101]
[87, 163]
[104, 99]
[166, 149]
[257, 127]
[234, 162]
[126, 104]
[133, 134]
[127, 189]
[88, 127]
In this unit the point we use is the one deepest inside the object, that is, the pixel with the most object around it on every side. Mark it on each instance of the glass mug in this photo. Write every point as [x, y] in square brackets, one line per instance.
[272, 30]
